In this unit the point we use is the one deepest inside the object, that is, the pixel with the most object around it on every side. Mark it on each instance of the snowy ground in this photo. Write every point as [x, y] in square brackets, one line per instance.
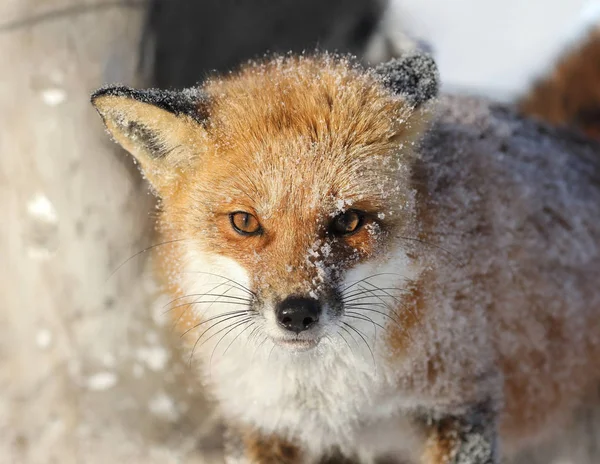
[89, 369]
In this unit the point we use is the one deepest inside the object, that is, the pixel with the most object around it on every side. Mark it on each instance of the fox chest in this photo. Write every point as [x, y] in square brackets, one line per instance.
[321, 401]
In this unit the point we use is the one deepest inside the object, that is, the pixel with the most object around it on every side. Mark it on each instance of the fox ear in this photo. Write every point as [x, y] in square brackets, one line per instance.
[159, 128]
[413, 76]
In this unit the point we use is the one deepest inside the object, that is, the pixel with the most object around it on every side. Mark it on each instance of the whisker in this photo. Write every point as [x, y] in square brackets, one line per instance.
[368, 277]
[216, 333]
[396, 321]
[384, 302]
[197, 300]
[191, 295]
[270, 353]
[349, 333]
[403, 306]
[371, 294]
[225, 302]
[236, 337]
[362, 292]
[242, 287]
[266, 337]
[218, 316]
[151, 247]
[253, 333]
[361, 335]
[190, 304]
[374, 295]
[378, 312]
[350, 316]
[380, 298]
[367, 299]
[344, 338]
[223, 295]
[185, 296]
[231, 327]
[362, 317]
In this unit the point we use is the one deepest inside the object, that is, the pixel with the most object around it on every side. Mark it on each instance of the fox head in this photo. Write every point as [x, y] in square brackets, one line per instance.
[286, 190]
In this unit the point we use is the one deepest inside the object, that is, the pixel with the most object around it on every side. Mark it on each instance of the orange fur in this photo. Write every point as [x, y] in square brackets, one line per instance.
[570, 94]
[285, 141]
[279, 117]
[270, 450]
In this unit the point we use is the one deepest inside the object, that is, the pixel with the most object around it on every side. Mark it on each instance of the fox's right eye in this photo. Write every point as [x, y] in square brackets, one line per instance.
[244, 223]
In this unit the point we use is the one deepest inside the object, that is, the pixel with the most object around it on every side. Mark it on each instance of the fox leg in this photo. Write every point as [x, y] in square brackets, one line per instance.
[469, 438]
[250, 447]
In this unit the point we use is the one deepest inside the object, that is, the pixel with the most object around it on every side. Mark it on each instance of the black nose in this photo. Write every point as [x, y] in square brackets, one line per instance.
[298, 313]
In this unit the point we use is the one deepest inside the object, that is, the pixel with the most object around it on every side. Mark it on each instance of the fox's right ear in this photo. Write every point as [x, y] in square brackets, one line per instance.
[161, 129]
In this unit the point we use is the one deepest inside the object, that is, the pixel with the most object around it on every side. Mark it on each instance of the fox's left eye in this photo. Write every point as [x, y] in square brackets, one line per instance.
[347, 222]
[244, 223]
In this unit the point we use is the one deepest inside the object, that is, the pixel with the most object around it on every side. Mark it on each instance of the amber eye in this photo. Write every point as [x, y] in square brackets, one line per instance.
[244, 223]
[347, 223]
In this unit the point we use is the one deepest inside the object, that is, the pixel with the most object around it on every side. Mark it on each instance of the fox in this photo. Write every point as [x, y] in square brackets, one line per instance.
[568, 94]
[354, 275]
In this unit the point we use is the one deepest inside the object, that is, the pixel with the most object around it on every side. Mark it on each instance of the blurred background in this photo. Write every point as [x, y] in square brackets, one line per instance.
[90, 370]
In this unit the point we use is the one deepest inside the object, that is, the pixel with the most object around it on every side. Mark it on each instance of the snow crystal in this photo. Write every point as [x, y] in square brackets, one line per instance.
[41, 208]
[101, 381]
[163, 406]
[43, 338]
[155, 357]
[42, 231]
[53, 96]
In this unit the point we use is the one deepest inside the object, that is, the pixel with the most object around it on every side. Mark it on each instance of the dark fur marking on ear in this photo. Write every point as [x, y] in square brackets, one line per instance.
[145, 137]
[414, 76]
[190, 102]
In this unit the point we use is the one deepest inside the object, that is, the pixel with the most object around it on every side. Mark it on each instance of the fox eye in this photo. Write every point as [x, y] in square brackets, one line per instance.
[244, 223]
[347, 222]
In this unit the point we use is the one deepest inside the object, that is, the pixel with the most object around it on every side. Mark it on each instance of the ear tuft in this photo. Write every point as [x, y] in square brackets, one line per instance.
[414, 76]
[189, 102]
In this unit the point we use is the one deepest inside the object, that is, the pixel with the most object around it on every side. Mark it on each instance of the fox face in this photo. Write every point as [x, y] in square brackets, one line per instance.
[286, 190]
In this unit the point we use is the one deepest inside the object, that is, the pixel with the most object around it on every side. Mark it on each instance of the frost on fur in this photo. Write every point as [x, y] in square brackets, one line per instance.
[393, 270]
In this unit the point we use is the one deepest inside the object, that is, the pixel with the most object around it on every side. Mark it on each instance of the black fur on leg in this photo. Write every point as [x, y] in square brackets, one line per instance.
[466, 438]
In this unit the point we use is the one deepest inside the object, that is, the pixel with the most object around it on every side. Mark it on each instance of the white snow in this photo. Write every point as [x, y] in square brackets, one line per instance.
[155, 357]
[102, 381]
[43, 339]
[53, 96]
[40, 207]
[163, 406]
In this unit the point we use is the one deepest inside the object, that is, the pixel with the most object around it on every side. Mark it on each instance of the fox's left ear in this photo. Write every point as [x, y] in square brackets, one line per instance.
[163, 130]
[414, 77]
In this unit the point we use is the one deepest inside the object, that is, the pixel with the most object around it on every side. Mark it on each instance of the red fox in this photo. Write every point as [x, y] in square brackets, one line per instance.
[355, 274]
[570, 95]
